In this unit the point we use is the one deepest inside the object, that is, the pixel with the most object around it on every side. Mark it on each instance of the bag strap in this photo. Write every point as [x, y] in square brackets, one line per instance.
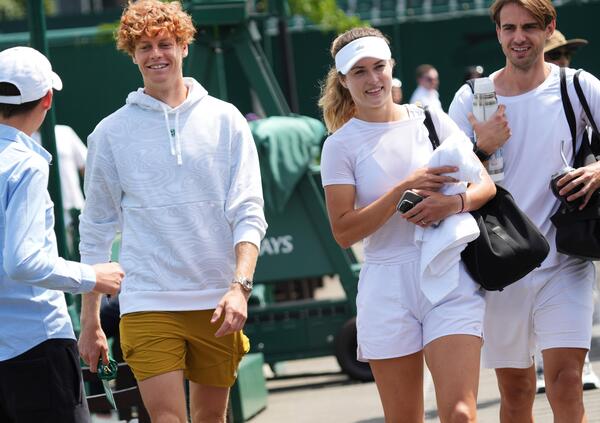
[471, 84]
[433, 136]
[586, 108]
[568, 108]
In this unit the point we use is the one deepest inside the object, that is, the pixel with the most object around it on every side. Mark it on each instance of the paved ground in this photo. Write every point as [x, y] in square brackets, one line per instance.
[314, 391]
[311, 391]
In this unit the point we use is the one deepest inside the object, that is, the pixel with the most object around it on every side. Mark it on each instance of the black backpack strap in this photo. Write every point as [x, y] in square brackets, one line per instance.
[433, 136]
[568, 108]
[471, 84]
[586, 108]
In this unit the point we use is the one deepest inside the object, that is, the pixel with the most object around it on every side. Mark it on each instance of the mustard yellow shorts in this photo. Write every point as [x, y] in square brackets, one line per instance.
[154, 343]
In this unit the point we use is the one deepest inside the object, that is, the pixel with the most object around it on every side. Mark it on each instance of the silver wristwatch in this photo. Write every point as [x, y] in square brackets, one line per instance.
[246, 283]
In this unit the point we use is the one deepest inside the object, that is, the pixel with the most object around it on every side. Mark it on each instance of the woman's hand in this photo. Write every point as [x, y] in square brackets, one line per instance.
[434, 208]
[430, 178]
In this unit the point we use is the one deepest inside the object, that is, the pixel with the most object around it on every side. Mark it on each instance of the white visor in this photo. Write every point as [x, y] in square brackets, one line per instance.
[360, 48]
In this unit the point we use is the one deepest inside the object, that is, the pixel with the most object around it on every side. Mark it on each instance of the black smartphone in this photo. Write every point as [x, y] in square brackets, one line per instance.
[408, 201]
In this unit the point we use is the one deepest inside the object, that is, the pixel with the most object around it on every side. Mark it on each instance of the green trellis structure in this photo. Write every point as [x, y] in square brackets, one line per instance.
[37, 33]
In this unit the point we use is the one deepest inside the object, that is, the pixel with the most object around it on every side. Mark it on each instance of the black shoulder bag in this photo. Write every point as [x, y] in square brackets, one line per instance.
[578, 231]
[509, 245]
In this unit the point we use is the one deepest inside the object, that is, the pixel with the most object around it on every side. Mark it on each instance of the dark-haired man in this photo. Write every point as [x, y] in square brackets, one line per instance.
[550, 308]
[40, 379]
[559, 50]
[426, 93]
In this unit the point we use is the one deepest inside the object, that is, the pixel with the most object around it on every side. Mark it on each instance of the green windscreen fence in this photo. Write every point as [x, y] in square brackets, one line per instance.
[97, 78]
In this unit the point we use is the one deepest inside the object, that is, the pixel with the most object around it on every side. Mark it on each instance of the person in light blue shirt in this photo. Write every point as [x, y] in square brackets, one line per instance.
[40, 377]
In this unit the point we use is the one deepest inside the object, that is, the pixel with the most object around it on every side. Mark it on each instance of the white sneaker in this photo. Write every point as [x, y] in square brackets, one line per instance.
[540, 382]
[589, 378]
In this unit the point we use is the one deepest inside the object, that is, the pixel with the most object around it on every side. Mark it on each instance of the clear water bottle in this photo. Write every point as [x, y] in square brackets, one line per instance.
[485, 105]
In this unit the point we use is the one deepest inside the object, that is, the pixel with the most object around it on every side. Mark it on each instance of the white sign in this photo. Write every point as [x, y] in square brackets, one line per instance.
[273, 246]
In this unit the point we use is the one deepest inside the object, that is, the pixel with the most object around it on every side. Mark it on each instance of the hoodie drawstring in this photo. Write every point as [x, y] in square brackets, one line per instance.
[177, 139]
[174, 139]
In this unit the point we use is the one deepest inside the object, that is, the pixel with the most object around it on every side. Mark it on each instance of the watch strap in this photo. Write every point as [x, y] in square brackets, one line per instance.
[247, 284]
[481, 155]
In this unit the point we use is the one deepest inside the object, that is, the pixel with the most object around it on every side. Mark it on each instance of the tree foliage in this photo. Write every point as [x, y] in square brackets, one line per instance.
[17, 9]
[12, 9]
[325, 13]
[321, 12]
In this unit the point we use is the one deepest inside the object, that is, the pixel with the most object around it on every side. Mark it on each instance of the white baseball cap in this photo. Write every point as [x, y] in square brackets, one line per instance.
[375, 47]
[29, 71]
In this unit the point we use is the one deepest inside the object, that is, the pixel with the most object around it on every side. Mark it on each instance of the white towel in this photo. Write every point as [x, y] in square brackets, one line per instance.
[441, 246]
[457, 150]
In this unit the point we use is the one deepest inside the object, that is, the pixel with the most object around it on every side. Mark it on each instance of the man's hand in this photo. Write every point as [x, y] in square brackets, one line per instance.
[235, 306]
[589, 179]
[93, 345]
[492, 133]
[108, 278]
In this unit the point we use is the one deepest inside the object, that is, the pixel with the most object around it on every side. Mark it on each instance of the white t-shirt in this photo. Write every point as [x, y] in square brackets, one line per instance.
[532, 154]
[426, 97]
[374, 157]
[72, 153]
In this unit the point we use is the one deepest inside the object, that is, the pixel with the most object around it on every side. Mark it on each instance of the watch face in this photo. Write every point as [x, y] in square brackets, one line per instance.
[246, 283]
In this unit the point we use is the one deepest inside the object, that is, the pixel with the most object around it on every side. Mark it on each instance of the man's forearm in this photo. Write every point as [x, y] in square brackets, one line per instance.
[90, 310]
[246, 255]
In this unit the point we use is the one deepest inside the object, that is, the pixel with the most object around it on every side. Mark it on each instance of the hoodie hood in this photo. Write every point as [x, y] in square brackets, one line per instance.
[196, 92]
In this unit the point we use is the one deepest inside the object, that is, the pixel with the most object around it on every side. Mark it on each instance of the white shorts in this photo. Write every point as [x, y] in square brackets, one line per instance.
[395, 319]
[549, 308]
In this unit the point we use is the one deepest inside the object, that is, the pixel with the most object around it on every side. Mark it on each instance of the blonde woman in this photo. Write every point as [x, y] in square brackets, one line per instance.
[377, 150]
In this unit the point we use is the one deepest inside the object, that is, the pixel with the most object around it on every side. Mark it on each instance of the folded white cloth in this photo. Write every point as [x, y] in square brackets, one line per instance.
[441, 246]
[457, 150]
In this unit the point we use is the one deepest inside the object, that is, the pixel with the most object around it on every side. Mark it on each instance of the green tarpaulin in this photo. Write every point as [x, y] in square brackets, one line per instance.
[286, 146]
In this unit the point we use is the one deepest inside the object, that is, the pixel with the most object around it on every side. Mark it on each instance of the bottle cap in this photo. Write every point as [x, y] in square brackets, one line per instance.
[483, 85]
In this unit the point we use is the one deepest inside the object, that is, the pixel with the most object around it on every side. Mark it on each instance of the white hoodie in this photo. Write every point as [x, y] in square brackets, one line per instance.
[183, 186]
